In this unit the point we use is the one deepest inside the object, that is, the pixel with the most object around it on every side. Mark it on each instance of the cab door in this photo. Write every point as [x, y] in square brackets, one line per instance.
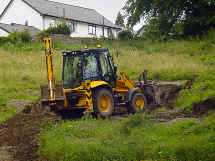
[107, 69]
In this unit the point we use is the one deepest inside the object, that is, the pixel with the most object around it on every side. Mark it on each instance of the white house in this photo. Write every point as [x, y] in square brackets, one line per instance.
[41, 14]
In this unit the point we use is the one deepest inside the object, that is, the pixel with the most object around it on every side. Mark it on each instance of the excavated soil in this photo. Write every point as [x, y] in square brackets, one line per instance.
[19, 135]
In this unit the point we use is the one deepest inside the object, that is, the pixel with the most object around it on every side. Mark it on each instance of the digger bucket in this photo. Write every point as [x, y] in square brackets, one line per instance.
[45, 100]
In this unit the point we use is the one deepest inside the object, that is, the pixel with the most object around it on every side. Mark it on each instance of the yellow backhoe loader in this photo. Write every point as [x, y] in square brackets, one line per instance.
[90, 83]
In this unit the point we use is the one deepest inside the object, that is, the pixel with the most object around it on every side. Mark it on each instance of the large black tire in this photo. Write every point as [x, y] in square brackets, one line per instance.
[137, 102]
[103, 103]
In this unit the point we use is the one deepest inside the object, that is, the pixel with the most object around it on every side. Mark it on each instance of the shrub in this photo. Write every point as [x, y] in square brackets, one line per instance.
[63, 27]
[125, 35]
[23, 36]
[4, 40]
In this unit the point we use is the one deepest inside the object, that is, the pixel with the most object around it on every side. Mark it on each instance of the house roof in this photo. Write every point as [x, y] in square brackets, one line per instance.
[16, 27]
[71, 12]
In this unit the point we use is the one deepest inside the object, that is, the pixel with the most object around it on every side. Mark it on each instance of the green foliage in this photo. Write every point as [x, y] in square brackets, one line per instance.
[23, 36]
[7, 113]
[153, 32]
[196, 16]
[134, 138]
[120, 20]
[63, 27]
[4, 40]
[125, 35]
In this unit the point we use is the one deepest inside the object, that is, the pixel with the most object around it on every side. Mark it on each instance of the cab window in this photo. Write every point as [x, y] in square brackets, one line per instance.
[90, 69]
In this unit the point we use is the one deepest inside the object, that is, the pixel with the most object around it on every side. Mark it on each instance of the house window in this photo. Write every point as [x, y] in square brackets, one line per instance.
[73, 26]
[92, 30]
[26, 23]
[108, 31]
[52, 23]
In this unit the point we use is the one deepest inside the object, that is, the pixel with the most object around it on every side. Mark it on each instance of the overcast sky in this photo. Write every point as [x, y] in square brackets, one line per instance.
[107, 8]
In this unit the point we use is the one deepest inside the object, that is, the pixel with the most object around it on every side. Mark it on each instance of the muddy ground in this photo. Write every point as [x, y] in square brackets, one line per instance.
[19, 135]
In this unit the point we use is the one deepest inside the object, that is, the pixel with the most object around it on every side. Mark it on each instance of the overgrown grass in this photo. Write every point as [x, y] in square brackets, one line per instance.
[135, 138]
[22, 73]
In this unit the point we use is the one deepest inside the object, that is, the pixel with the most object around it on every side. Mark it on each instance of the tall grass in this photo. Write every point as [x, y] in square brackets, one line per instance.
[164, 66]
[135, 138]
[21, 75]
[22, 72]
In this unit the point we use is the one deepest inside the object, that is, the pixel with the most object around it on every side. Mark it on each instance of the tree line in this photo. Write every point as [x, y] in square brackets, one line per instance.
[165, 17]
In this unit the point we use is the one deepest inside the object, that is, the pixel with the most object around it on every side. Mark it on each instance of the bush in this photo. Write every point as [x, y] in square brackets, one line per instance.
[4, 40]
[23, 36]
[63, 27]
[125, 35]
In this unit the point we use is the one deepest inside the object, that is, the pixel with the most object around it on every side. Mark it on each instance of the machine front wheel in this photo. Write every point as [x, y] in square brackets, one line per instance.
[137, 102]
[103, 103]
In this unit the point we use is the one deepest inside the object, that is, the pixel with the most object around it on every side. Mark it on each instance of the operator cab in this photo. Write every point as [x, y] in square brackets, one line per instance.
[89, 64]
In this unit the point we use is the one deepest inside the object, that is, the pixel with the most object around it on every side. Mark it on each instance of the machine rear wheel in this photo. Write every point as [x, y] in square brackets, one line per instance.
[137, 102]
[103, 103]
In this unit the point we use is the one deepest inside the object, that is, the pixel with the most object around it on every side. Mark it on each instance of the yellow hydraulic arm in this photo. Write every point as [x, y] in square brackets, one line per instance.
[50, 73]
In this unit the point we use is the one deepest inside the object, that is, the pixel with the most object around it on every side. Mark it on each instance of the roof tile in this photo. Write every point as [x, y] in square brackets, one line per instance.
[16, 27]
[71, 12]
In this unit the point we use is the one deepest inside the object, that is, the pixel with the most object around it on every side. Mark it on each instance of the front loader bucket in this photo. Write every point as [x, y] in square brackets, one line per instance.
[150, 89]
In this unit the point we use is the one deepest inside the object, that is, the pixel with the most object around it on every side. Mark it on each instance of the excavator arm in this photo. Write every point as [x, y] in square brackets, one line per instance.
[51, 93]
[48, 91]
[49, 68]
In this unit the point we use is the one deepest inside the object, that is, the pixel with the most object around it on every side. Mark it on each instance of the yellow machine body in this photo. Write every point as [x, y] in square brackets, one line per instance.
[96, 89]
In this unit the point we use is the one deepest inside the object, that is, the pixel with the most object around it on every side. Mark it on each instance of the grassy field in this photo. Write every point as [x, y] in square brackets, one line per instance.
[22, 71]
[135, 138]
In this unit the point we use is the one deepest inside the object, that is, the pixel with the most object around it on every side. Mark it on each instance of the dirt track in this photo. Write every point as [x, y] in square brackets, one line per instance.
[19, 135]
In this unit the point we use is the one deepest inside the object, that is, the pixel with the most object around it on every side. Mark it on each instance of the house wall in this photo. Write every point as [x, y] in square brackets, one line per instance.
[47, 21]
[16, 13]
[3, 33]
[19, 12]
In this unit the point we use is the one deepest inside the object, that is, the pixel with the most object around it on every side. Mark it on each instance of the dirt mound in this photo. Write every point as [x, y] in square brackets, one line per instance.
[18, 104]
[169, 94]
[204, 107]
[18, 135]
[172, 115]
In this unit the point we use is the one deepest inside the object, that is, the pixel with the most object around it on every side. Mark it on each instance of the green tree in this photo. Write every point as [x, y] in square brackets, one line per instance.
[23, 36]
[125, 35]
[195, 15]
[120, 20]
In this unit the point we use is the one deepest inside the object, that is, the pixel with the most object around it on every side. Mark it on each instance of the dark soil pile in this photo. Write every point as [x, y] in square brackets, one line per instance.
[18, 135]
[203, 107]
[169, 94]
